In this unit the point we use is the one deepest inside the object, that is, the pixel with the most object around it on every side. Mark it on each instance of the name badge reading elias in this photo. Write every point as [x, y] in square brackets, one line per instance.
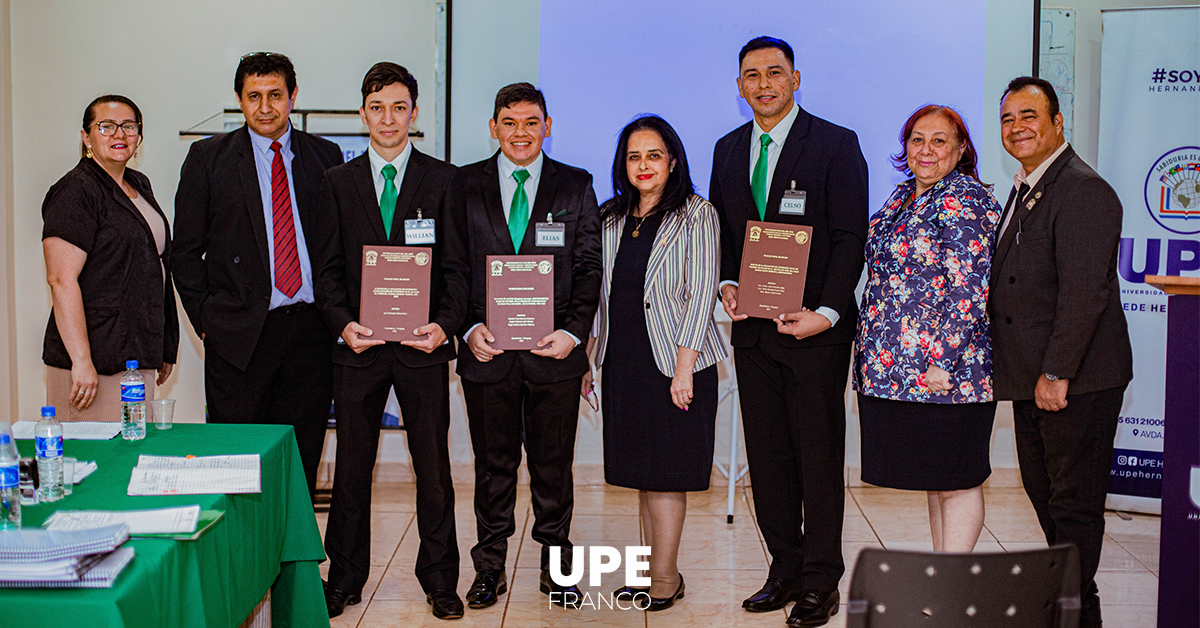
[550, 233]
[419, 232]
[792, 203]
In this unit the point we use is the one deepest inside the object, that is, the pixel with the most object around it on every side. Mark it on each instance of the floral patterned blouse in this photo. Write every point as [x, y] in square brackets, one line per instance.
[925, 302]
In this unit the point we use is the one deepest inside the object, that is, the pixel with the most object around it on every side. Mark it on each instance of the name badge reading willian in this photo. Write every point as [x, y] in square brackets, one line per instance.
[792, 203]
[550, 233]
[419, 231]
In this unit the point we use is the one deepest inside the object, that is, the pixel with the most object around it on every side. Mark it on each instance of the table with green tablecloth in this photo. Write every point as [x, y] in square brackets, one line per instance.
[268, 539]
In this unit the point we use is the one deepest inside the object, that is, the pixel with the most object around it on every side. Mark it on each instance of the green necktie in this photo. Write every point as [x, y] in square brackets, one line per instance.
[387, 202]
[758, 181]
[518, 212]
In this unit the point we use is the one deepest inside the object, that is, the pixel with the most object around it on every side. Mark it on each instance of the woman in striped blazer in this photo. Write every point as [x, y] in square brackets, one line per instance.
[655, 338]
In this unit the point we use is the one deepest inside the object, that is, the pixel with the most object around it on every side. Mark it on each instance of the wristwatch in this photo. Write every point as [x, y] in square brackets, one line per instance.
[1053, 378]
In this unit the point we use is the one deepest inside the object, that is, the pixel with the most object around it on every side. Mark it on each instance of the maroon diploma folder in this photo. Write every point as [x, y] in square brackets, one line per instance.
[774, 266]
[394, 299]
[520, 299]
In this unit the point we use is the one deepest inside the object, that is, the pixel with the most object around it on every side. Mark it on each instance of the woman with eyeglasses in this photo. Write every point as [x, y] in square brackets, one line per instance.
[107, 246]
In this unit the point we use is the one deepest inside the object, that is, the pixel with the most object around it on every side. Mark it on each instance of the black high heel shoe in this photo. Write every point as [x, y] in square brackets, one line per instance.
[663, 603]
[628, 593]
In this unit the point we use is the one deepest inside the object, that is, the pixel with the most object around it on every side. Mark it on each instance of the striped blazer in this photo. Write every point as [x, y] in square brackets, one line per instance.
[681, 284]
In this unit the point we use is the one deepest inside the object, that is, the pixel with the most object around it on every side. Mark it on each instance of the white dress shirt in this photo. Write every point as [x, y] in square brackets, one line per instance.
[778, 135]
[1031, 180]
[508, 183]
[264, 158]
[377, 164]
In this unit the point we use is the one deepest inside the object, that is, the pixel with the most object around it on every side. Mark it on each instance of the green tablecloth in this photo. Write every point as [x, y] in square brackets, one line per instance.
[264, 540]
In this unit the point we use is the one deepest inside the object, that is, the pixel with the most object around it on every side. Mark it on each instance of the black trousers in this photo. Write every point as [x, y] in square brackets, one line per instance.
[289, 381]
[502, 417]
[360, 395]
[794, 418]
[1066, 459]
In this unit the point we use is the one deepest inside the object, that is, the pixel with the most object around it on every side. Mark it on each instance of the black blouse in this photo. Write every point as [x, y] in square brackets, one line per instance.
[129, 307]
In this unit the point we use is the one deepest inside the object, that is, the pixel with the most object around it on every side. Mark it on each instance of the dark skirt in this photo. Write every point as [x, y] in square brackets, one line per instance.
[925, 446]
[649, 444]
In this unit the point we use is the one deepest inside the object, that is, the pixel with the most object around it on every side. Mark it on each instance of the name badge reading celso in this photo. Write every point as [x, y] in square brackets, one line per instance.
[792, 203]
[419, 231]
[550, 233]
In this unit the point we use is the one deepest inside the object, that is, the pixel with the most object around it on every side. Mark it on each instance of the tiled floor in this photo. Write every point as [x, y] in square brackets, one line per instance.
[721, 563]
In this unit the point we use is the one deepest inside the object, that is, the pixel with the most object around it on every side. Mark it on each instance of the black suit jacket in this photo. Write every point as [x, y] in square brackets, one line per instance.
[350, 219]
[825, 161]
[128, 307]
[481, 229]
[221, 261]
[1055, 299]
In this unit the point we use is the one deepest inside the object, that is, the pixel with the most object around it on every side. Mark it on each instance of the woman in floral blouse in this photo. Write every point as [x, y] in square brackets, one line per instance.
[923, 363]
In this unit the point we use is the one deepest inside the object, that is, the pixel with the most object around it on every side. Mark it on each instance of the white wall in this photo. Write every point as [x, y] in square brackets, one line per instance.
[493, 44]
[8, 329]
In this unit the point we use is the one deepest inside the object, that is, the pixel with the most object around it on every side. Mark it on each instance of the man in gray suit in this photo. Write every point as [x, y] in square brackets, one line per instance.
[1060, 345]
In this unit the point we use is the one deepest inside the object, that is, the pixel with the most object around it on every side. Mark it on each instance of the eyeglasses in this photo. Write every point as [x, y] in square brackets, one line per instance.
[110, 128]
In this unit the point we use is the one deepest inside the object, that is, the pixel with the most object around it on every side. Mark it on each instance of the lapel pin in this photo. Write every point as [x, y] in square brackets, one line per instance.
[1033, 201]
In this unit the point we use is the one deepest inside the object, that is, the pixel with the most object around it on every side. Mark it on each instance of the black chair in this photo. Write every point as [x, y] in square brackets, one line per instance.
[896, 589]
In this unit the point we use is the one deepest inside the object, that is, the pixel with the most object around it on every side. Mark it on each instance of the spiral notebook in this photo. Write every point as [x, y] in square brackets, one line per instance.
[33, 545]
[101, 574]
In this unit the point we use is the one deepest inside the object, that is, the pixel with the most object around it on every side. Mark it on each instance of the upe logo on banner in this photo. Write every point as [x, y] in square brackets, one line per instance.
[1194, 488]
[1172, 190]
[602, 559]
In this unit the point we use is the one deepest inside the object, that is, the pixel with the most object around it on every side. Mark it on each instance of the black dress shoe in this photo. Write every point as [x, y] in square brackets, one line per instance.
[568, 597]
[336, 600]
[663, 603]
[445, 603]
[774, 595]
[489, 585]
[814, 608]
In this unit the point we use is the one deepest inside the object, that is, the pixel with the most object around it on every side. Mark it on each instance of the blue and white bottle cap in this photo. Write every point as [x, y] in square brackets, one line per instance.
[47, 410]
[131, 364]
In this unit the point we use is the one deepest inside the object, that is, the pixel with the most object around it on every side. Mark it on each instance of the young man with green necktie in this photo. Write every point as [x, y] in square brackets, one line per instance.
[369, 201]
[524, 398]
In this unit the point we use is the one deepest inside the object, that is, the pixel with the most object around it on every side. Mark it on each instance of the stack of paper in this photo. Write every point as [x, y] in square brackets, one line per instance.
[157, 521]
[43, 558]
[99, 575]
[203, 475]
[72, 430]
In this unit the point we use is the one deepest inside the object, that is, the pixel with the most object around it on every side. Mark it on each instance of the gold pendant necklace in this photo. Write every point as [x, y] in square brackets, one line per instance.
[639, 224]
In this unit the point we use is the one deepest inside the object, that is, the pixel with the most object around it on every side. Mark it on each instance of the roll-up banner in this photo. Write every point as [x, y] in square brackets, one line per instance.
[1149, 150]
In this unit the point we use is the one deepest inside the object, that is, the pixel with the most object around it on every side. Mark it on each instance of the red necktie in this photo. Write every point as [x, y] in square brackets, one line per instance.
[287, 260]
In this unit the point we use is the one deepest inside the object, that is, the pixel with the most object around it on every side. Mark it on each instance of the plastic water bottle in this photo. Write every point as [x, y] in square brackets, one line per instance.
[48, 446]
[133, 403]
[10, 492]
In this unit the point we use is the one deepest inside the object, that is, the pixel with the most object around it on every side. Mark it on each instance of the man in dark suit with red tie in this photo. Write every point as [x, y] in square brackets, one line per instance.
[1060, 344]
[246, 202]
[792, 371]
[377, 199]
[528, 398]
